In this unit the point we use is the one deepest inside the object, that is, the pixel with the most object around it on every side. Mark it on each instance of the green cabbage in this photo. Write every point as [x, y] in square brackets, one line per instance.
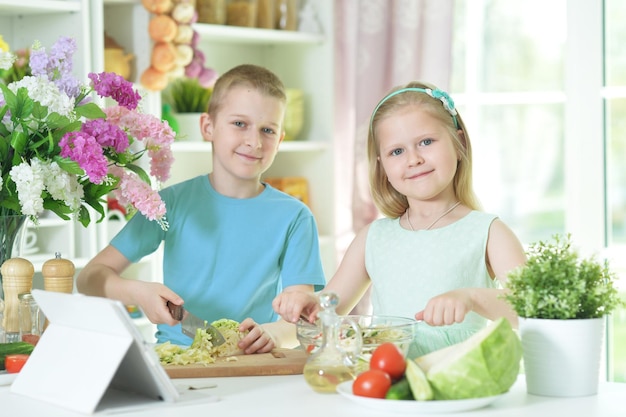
[486, 364]
[222, 324]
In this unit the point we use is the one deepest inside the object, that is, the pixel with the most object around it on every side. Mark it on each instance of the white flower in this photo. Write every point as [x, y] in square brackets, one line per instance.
[48, 94]
[6, 59]
[63, 186]
[29, 182]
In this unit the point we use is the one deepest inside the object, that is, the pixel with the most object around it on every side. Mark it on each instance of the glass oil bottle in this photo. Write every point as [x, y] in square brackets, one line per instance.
[334, 362]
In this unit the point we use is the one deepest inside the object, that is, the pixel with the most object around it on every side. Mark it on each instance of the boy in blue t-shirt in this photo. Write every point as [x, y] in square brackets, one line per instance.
[233, 243]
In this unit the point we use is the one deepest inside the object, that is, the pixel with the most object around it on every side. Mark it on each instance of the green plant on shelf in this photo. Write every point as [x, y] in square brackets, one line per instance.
[186, 95]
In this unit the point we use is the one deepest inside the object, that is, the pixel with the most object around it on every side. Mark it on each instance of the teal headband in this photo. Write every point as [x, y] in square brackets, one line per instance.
[441, 95]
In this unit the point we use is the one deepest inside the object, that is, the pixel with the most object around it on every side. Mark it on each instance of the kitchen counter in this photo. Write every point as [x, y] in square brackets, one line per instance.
[273, 396]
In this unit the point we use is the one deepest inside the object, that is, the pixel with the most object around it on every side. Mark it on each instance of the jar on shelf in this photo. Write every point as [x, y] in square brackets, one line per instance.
[211, 11]
[266, 14]
[287, 14]
[242, 13]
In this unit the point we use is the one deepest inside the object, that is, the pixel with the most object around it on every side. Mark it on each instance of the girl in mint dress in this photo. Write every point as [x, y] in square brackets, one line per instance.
[434, 255]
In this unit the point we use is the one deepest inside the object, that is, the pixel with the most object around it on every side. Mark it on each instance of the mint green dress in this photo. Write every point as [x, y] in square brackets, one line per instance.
[408, 268]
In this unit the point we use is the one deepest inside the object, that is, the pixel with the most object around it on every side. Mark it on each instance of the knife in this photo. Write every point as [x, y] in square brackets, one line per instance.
[190, 323]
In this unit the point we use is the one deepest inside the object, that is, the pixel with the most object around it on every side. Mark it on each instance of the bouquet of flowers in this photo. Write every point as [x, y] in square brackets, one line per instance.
[62, 152]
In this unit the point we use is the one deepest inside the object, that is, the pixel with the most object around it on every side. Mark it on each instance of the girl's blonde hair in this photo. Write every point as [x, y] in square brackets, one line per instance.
[257, 77]
[440, 106]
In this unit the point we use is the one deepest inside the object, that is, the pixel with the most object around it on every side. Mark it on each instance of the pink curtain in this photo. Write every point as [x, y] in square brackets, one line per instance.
[378, 44]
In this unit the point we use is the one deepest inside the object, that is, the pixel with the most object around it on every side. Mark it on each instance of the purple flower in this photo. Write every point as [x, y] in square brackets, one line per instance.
[87, 153]
[108, 84]
[106, 134]
[57, 66]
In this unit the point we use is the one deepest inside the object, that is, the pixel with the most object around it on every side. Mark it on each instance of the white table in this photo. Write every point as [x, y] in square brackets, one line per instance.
[278, 396]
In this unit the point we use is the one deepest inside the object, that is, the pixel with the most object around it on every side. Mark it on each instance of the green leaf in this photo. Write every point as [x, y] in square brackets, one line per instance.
[68, 165]
[9, 97]
[57, 207]
[139, 171]
[90, 111]
[40, 112]
[19, 140]
[23, 107]
[83, 216]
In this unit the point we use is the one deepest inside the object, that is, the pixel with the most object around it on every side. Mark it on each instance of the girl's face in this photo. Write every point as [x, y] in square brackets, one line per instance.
[417, 153]
[245, 133]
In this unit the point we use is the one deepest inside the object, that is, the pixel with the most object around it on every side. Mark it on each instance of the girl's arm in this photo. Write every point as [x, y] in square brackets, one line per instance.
[351, 280]
[349, 283]
[504, 253]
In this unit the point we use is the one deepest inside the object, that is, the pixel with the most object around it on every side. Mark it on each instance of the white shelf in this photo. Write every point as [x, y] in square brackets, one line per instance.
[243, 35]
[22, 7]
[288, 146]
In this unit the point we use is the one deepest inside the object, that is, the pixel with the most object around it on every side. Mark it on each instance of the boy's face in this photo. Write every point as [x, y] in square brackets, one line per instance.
[245, 133]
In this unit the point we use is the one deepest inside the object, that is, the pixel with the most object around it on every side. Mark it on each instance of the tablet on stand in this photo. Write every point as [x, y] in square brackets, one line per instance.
[93, 358]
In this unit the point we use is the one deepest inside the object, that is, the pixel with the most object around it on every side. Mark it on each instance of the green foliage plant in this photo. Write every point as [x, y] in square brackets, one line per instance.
[557, 283]
[186, 95]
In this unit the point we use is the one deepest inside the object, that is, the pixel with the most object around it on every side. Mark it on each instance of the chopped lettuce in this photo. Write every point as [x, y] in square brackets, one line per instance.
[202, 350]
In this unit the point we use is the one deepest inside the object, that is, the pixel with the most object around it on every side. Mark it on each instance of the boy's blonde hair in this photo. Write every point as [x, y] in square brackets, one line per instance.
[259, 78]
[440, 106]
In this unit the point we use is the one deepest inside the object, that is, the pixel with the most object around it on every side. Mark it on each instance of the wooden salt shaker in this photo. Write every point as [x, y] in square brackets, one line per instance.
[58, 274]
[17, 278]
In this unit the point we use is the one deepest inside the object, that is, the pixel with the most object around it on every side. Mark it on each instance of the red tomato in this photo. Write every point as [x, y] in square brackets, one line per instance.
[373, 383]
[389, 358]
[14, 363]
[30, 338]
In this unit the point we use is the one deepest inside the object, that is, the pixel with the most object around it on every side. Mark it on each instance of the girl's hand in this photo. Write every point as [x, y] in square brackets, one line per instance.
[448, 308]
[257, 340]
[291, 305]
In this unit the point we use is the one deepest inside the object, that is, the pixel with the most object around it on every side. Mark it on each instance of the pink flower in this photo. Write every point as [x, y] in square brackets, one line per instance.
[155, 135]
[133, 191]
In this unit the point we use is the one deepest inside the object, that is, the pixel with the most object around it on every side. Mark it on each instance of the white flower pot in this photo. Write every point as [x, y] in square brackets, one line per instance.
[188, 127]
[562, 357]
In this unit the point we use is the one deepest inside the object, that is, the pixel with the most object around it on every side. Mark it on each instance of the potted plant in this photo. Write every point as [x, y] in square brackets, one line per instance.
[187, 99]
[562, 300]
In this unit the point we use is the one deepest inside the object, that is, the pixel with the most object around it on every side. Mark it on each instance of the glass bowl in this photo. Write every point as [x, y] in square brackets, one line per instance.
[375, 330]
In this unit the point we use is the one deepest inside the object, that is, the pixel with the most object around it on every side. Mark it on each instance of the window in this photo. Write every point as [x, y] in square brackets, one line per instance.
[542, 89]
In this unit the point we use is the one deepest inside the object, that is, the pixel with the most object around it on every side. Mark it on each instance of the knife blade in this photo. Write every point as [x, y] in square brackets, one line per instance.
[190, 323]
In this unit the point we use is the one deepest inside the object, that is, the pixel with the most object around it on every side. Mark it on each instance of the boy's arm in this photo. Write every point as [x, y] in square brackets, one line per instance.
[101, 277]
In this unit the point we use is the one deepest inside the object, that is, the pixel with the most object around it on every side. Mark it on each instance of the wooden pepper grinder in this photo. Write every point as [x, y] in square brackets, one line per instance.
[17, 278]
[58, 274]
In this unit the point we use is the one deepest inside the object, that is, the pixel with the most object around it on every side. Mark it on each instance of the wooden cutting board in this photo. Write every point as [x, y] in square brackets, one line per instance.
[278, 362]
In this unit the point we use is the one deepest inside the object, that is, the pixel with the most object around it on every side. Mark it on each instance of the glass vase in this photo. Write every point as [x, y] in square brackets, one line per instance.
[12, 232]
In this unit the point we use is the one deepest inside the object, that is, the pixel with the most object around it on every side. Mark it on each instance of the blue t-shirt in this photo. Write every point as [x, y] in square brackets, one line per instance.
[227, 257]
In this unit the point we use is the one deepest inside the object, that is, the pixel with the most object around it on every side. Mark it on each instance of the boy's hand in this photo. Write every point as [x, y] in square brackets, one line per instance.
[291, 305]
[257, 340]
[152, 298]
